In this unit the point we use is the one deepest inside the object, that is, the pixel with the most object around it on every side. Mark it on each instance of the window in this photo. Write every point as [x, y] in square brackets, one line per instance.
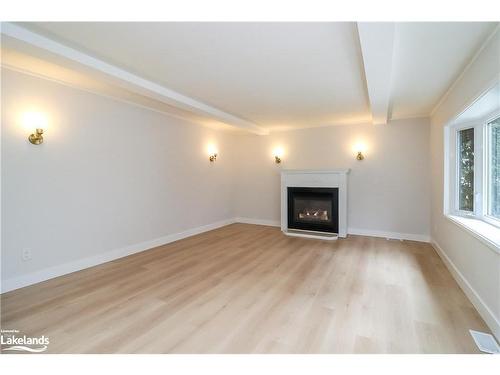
[474, 169]
[493, 166]
[465, 158]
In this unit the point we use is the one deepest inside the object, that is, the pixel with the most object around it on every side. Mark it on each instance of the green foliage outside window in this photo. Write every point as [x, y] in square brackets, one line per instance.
[466, 169]
[494, 165]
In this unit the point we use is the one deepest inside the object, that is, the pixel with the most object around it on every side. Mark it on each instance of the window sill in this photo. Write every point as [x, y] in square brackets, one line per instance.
[483, 231]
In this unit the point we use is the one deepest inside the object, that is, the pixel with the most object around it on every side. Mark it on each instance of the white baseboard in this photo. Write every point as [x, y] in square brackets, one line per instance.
[359, 232]
[247, 220]
[469, 291]
[64, 269]
[391, 235]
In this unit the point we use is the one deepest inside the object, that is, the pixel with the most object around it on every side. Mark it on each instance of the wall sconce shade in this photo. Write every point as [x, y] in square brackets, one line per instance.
[37, 137]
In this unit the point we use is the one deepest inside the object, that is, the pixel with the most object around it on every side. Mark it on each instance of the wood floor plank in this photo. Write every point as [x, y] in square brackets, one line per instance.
[250, 289]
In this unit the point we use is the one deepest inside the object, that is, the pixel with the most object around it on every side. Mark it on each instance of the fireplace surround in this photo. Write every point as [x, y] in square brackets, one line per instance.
[314, 203]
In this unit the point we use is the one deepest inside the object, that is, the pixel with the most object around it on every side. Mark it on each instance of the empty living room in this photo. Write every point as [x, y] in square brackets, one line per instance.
[264, 185]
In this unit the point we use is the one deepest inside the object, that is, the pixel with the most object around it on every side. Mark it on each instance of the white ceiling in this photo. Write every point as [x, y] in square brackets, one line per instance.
[281, 75]
[428, 57]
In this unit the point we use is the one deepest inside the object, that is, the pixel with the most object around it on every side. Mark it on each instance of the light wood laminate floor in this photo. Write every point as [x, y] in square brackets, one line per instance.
[250, 289]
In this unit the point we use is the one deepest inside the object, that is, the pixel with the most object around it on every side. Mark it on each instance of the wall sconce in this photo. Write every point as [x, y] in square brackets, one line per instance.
[359, 148]
[278, 155]
[35, 120]
[212, 153]
[37, 137]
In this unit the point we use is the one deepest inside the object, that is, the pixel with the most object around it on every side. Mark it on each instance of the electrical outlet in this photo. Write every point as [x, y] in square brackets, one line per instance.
[26, 255]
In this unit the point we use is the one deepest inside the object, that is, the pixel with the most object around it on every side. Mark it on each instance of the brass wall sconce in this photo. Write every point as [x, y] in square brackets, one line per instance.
[359, 148]
[34, 120]
[278, 154]
[212, 157]
[37, 137]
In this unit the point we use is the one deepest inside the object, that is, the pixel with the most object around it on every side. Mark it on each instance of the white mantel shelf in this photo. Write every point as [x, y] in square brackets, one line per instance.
[315, 171]
[331, 178]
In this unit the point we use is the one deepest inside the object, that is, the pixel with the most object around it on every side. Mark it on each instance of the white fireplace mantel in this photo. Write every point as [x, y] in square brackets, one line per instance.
[332, 178]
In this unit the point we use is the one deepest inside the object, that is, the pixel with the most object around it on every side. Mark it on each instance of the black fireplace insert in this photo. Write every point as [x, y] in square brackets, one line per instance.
[313, 209]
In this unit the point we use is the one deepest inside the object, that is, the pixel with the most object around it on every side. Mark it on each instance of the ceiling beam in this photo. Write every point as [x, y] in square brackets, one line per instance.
[377, 46]
[126, 79]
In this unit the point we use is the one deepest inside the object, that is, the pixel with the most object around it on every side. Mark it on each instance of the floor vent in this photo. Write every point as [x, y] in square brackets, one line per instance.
[485, 342]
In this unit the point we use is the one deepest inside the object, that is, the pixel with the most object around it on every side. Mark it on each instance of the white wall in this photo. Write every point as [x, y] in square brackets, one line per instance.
[477, 266]
[109, 177]
[388, 192]
[113, 178]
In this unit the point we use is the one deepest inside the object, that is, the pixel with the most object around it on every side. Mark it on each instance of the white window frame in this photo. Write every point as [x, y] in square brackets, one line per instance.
[486, 175]
[481, 169]
[455, 197]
